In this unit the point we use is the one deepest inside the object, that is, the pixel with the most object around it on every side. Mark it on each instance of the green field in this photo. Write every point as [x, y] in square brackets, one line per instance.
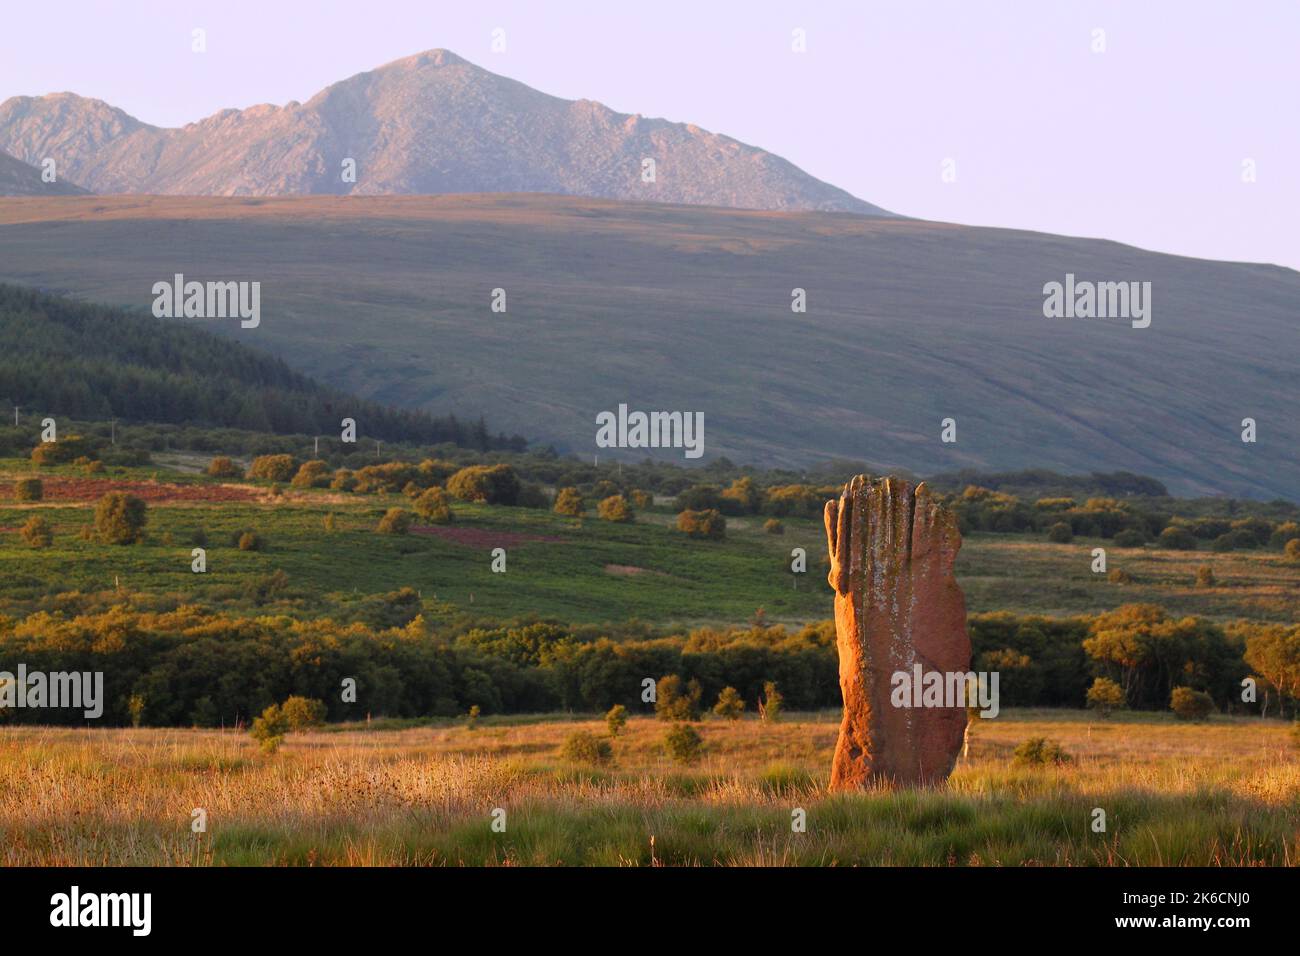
[582, 571]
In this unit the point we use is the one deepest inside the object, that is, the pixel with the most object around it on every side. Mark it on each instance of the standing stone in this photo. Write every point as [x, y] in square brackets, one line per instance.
[897, 604]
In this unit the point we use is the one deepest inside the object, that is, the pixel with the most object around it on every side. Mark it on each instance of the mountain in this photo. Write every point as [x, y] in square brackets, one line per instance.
[19, 179]
[428, 124]
[90, 362]
[689, 308]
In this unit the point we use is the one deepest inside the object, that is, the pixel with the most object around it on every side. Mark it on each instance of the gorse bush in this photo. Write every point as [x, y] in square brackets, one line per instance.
[568, 501]
[224, 468]
[1189, 704]
[587, 748]
[29, 489]
[683, 743]
[302, 713]
[730, 704]
[37, 532]
[615, 508]
[488, 484]
[276, 468]
[1060, 533]
[432, 505]
[312, 474]
[120, 518]
[394, 521]
[1039, 751]
[616, 719]
[249, 541]
[675, 702]
[703, 524]
[1105, 695]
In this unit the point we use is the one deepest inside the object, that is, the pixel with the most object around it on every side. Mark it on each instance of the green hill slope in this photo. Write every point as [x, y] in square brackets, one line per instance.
[688, 308]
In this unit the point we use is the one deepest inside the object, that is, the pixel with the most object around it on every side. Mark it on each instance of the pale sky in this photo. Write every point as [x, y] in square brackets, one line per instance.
[1143, 143]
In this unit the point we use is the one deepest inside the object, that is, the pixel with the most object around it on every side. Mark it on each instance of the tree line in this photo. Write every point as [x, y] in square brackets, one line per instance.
[192, 666]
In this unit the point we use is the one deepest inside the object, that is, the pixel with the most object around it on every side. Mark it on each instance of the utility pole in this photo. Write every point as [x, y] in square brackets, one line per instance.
[15, 416]
[316, 453]
[113, 426]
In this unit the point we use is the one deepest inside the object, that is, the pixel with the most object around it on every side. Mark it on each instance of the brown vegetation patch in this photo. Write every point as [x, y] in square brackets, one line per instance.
[92, 489]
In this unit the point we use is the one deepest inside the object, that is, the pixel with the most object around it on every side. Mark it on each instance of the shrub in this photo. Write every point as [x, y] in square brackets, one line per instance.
[472, 716]
[684, 743]
[568, 501]
[742, 498]
[1105, 695]
[1293, 549]
[1130, 538]
[699, 498]
[1060, 533]
[641, 499]
[702, 524]
[674, 703]
[1233, 540]
[29, 489]
[120, 518]
[37, 532]
[1119, 576]
[249, 541]
[312, 474]
[222, 467]
[394, 521]
[1190, 704]
[616, 719]
[585, 747]
[135, 707]
[277, 468]
[774, 526]
[1038, 751]
[730, 704]
[615, 508]
[301, 713]
[1286, 531]
[1205, 576]
[331, 523]
[433, 507]
[532, 495]
[49, 453]
[769, 708]
[489, 484]
[1177, 539]
[344, 480]
[269, 729]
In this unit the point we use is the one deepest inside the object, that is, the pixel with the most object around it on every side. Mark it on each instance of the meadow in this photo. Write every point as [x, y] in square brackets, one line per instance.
[577, 570]
[1226, 792]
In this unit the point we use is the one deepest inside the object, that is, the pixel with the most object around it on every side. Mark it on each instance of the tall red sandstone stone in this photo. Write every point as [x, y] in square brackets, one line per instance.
[897, 604]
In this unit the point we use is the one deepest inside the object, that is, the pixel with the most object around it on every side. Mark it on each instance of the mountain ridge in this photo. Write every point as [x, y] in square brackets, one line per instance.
[429, 123]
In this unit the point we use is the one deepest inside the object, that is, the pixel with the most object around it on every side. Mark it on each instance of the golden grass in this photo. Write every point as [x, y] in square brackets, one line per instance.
[1222, 793]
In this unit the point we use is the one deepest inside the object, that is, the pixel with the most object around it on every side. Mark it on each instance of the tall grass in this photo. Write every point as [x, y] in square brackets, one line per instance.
[1222, 793]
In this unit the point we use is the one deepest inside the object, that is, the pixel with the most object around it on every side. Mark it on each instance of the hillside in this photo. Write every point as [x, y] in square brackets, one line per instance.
[429, 123]
[19, 179]
[90, 362]
[688, 308]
